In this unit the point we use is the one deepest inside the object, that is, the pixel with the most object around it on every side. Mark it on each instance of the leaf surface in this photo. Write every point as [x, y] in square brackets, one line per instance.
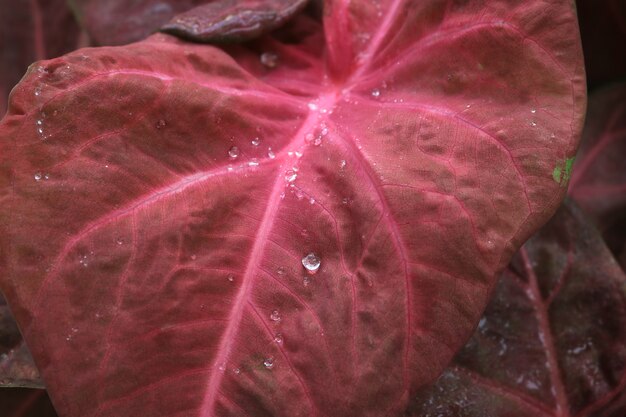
[164, 203]
[552, 341]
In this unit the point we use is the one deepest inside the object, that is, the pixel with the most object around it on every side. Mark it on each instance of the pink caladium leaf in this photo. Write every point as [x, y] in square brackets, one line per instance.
[552, 341]
[313, 232]
[599, 176]
[22, 402]
[17, 368]
[30, 31]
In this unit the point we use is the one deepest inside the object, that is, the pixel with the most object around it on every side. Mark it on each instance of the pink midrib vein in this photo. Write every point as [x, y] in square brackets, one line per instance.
[261, 238]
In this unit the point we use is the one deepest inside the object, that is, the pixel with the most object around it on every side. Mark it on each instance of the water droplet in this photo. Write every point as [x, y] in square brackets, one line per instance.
[40, 130]
[269, 59]
[275, 316]
[230, 278]
[290, 175]
[38, 176]
[311, 262]
[233, 152]
[533, 111]
[306, 281]
[38, 91]
[271, 154]
[278, 338]
[39, 122]
[253, 162]
[281, 271]
[161, 124]
[376, 92]
[533, 123]
[222, 367]
[312, 106]
[345, 200]
[237, 371]
[256, 141]
[119, 241]
[311, 200]
[268, 363]
[342, 164]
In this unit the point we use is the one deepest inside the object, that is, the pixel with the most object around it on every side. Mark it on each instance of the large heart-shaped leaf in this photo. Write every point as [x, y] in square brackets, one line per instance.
[308, 225]
[552, 341]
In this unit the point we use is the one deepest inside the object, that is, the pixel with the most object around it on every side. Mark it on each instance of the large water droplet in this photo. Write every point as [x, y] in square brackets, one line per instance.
[311, 263]
[268, 363]
[275, 316]
[269, 59]
[233, 152]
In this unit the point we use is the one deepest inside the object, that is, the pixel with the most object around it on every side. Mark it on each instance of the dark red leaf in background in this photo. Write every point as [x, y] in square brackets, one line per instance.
[160, 205]
[603, 31]
[117, 22]
[552, 341]
[31, 30]
[23, 402]
[599, 178]
[16, 364]
[233, 20]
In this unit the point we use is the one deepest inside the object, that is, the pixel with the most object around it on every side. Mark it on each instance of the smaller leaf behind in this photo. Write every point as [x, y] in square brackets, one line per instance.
[552, 341]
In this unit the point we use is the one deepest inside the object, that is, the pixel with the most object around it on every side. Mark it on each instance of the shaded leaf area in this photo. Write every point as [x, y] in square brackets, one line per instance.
[24, 402]
[118, 22]
[603, 32]
[190, 232]
[31, 30]
[599, 177]
[17, 368]
[233, 20]
[552, 341]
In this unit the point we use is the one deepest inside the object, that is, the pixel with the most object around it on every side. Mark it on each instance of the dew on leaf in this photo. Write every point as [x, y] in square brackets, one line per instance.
[38, 176]
[376, 92]
[230, 278]
[268, 362]
[311, 263]
[290, 175]
[271, 154]
[306, 281]
[161, 124]
[253, 162]
[275, 316]
[233, 152]
[278, 338]
[256, 141]
[269, 59]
